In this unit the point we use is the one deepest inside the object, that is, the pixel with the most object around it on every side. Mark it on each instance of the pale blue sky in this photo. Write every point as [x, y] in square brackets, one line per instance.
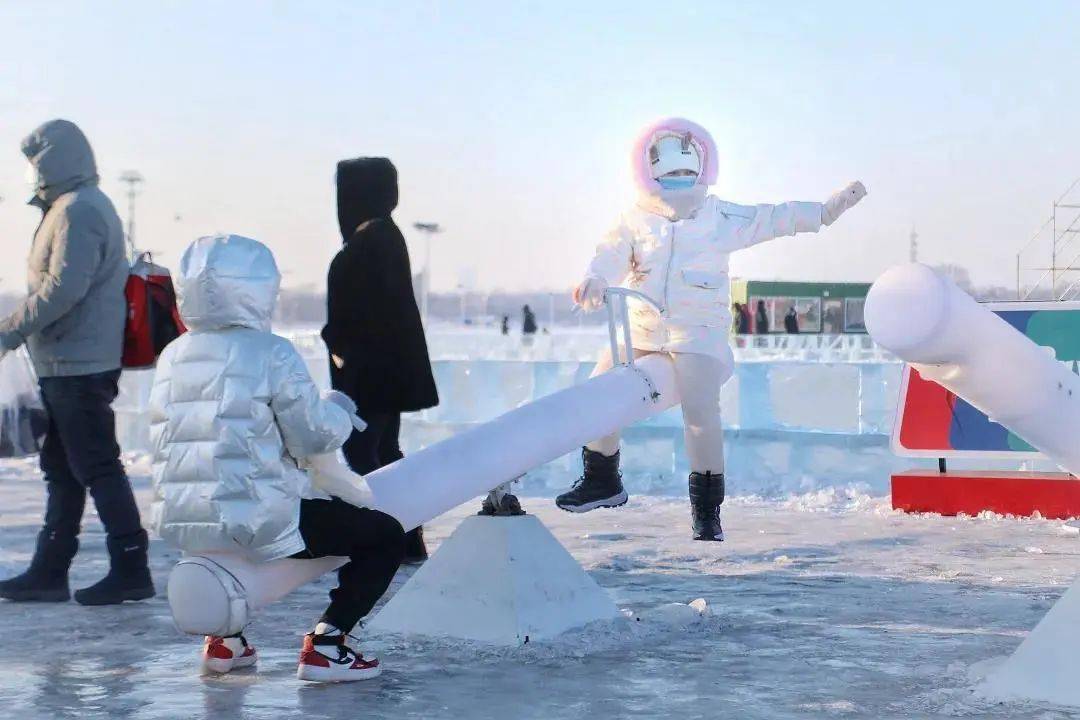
[510, 122]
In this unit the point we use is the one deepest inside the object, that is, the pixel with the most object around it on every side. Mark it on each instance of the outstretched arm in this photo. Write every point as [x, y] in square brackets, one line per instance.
[766, 222]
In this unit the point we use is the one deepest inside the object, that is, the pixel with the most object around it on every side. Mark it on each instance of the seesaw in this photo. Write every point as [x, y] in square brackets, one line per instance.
[495, 579]
[949, 338]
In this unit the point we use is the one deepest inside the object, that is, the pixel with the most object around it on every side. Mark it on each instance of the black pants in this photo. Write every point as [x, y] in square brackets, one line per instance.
[80, 454]
[376, 446]
[374, 543]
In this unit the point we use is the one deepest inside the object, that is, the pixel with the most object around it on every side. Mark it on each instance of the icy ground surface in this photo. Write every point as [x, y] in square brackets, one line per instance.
[824, 605]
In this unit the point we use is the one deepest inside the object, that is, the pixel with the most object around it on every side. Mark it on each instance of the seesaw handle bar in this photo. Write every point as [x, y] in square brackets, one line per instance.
[615, 298]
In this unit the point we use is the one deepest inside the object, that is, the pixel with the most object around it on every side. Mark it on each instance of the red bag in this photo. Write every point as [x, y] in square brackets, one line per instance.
[153, 320]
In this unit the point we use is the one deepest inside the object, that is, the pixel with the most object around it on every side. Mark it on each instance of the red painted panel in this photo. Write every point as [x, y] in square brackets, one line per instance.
[927, 415]
[1054, 495]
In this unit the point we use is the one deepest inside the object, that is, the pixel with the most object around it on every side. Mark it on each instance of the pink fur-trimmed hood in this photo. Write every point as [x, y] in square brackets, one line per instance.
[639, 160]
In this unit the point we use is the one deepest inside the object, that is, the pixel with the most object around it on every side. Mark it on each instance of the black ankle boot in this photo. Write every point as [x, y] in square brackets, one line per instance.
[129, 573]
[46, 580]
[706, 497]
[599, 486]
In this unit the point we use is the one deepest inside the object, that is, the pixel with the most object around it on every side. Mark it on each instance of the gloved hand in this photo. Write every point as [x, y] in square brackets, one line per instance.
[842, 201]
[589, 295]
[329, 473]
[346, 403]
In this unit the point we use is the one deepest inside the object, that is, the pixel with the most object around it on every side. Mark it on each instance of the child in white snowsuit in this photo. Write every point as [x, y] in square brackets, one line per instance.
[233, 410]
[673, 246]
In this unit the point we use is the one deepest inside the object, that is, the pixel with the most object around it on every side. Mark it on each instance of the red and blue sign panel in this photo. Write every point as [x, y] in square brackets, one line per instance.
[933, 422]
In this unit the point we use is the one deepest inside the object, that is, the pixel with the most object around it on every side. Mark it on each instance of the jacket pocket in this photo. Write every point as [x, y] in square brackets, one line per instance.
[703, 279]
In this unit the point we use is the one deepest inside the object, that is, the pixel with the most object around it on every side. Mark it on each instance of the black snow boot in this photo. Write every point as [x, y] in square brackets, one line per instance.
[415, 550]
[46, 580]
[600, 486]
[706, 497]
[129, 573]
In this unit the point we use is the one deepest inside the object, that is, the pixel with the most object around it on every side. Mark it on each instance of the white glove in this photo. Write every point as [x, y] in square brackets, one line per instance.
[346, 403]
[589, 295]
[842, 201]
[329, 473]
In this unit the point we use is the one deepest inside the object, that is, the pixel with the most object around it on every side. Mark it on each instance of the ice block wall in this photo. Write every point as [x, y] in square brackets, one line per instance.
[949, 338]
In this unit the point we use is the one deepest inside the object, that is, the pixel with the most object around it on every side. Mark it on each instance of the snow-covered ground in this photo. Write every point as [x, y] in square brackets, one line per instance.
[823, 605]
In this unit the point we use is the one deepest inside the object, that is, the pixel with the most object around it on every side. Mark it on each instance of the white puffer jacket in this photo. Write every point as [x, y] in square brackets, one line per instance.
[683, 265]
[674, 246]
[232, 407]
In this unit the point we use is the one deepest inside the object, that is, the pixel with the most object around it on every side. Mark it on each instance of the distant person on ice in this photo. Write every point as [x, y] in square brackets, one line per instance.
[73, 322]
[673, 245]
[791, 321]
[741, 321]
[379, 356]
[528, 322]
[232, 410]
[761, 319]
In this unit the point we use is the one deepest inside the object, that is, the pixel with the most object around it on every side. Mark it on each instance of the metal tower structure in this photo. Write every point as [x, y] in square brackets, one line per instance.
[1057, 237]
[133, 179]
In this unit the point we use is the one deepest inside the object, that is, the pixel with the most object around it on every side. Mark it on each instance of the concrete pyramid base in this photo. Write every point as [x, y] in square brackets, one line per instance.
[1044, 667]
[500, 580]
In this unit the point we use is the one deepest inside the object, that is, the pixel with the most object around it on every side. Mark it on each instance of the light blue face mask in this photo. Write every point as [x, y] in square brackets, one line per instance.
[677, 182]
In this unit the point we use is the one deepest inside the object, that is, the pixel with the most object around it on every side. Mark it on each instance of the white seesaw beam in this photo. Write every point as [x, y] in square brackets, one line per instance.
[949, 338]
[440, 477]
[212, 595]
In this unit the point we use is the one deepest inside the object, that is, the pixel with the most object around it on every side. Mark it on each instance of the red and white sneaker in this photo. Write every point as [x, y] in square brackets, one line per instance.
[326, 658]
[223, 654]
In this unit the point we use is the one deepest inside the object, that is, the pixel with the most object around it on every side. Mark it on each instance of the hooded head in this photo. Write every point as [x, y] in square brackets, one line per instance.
[61, 157]
[672, 149]
[228, 281]
[366, 189]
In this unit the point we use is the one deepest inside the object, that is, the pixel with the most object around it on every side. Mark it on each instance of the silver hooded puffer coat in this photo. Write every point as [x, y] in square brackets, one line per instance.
[232, 407]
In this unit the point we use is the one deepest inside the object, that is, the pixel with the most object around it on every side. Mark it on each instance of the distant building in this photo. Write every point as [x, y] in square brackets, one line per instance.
[823, 308]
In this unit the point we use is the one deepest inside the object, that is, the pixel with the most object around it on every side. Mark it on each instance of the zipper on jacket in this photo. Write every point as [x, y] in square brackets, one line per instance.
[667, 274]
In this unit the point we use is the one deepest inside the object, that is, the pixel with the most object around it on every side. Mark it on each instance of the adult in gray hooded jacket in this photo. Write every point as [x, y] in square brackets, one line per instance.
[72, 321]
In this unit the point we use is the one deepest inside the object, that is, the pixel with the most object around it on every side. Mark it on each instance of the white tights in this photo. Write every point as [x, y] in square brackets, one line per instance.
[699, 378]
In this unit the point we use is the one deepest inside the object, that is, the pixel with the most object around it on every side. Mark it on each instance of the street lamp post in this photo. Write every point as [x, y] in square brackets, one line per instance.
[133, 179]
[429, 229]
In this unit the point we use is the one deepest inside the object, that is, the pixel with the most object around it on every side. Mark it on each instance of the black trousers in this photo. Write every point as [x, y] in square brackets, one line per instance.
[80, 454]
[376, 446]
[374, 543]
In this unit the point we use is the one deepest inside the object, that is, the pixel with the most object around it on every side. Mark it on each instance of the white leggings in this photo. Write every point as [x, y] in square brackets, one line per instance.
[698, 378]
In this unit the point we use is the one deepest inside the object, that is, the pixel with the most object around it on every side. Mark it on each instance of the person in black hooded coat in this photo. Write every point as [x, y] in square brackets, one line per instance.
[379, 355]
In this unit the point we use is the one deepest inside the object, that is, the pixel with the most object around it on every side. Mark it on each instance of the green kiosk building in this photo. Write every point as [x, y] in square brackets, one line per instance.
[820, 308]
